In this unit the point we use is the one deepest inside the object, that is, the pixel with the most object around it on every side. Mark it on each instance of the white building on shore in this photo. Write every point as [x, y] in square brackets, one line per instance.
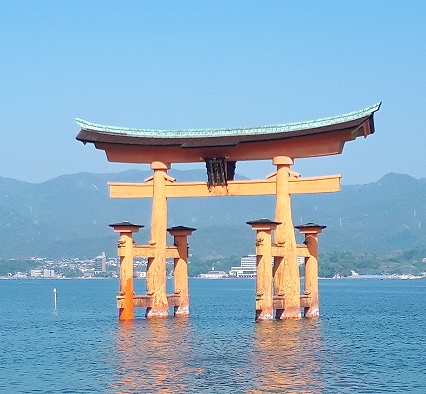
[42, 273]
[247, 268]
[214, 274]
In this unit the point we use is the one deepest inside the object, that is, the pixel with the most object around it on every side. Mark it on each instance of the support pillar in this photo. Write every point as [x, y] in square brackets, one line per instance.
[180, 271]
[156, 268]
[311, 231]
[125, 251]
[285, 271]
[264, 300]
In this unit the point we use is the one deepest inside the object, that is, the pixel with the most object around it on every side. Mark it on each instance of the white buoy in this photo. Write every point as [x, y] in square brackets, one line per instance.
[54, 299]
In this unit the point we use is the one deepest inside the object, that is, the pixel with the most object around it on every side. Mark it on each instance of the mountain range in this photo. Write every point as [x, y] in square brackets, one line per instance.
[68, 216]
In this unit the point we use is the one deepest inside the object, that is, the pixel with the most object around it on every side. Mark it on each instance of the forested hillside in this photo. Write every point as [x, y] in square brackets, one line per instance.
[68, 216]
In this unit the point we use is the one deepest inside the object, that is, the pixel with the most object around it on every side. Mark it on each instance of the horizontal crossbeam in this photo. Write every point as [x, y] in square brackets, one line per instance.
[145, 301]
[149, 251]
[302, 251]
[323, 184]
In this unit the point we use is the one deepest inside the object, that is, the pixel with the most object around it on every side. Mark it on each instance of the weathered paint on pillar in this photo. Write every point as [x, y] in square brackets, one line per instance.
[180, 270]
[156, 268]
[126, 277]
[125, 251]
[285, 272]
[264, 299]
[311, 231]
[311, 276]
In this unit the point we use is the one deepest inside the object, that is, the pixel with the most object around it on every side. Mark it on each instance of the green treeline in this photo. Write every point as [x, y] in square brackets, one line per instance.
[339, 264]
[397, 263]
[330, 264]
[11, 267]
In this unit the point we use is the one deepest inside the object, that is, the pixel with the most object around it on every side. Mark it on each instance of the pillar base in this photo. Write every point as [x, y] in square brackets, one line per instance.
[125, 315]
[291, 315]
[311, 313]
[278, 313]
[182, 311]
[261, 316]
[151, 313]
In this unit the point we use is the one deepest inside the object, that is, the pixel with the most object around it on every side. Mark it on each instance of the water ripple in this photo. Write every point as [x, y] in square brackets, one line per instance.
[370, 339]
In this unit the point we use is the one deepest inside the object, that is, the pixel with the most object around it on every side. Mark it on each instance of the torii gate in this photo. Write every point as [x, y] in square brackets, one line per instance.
[277, 287]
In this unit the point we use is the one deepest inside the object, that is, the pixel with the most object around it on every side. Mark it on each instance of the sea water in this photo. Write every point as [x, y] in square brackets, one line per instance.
[370, 338]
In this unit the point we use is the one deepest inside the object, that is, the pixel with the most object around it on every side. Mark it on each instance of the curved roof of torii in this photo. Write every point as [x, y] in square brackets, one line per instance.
[302, 139]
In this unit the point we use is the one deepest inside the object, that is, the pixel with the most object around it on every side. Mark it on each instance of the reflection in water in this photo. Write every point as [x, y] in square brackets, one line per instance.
[285, 356]
[217, 350]
[167, 355]
[152, 356]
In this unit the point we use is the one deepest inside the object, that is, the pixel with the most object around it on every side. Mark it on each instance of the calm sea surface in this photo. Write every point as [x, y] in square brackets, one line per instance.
[371, 338]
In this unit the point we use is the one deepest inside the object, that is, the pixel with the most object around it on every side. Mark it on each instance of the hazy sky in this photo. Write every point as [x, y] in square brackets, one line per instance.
[208, 64]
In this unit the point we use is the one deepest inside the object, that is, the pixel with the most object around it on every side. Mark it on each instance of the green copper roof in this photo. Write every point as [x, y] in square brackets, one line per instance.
[205, 133]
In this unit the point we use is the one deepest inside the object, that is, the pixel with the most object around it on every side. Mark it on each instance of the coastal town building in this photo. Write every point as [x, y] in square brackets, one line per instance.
[212, 274]
[42, 273]
[247, 268]
[100, 263]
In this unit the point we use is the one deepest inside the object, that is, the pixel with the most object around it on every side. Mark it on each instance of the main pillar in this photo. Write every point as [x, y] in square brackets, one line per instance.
[264, 300]
[180, 271]
[125, 251]
[156, 268]
[285, 271]
[311, 231]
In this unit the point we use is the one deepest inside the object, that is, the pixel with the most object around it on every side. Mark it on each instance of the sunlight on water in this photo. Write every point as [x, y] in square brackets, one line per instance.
[153, 356]
[164, 356]
[283, 357]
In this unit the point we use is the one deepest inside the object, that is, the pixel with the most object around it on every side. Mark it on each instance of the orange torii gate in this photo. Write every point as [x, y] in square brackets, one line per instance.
[277, 286]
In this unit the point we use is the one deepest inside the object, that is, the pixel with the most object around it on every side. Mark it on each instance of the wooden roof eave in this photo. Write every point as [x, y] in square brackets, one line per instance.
[93, 136]
[311, 146]
[326, 139]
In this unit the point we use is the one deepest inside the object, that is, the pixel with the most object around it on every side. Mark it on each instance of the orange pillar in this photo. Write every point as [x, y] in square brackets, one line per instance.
[286, 271]
[125, 251]
[264, 300]
[311, 231]
[180, 270]
[156, 269]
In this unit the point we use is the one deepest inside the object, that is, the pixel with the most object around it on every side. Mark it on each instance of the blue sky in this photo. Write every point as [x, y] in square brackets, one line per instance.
[207, 64]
